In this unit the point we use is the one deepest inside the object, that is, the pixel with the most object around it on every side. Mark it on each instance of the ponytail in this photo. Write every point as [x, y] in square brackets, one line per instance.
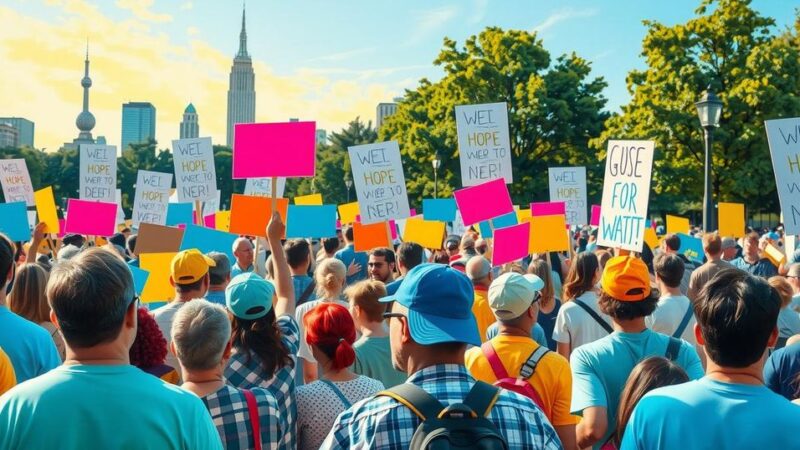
[330, 328]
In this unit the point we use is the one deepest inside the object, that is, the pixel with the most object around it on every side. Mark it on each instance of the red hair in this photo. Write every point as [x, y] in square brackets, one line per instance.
[330, 328]
[149, 349]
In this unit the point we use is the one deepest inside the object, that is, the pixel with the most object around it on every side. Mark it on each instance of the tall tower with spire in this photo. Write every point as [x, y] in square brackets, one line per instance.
[85, 120]
[190, 126]
[241, 88]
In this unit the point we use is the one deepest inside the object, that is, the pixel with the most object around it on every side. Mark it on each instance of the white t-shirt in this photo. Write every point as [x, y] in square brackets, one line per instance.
[305, 350]
[164, 317]
[669, 314]
[575, 326]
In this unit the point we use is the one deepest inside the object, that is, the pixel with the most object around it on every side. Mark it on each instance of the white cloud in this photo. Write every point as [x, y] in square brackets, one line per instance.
[479, 8]
[341, 56]
[428, 21]
[563, 15]
[141, 10]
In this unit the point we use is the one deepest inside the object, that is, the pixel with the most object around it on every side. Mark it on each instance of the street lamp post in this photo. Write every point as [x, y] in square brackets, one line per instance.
[349, 183]
[437, 162]
[709, 110]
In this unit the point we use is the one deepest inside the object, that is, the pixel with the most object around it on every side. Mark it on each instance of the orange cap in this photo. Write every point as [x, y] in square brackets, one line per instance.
[626, 279]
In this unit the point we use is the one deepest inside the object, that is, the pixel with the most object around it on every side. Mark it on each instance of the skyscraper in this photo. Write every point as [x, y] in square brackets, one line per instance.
[241, 89]
[24, 128]
[138, 123]
[85, 120]
[190, 127]
[384, 110]
[9, 135]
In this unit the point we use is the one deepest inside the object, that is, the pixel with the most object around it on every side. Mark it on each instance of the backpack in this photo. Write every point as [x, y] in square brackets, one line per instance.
[519, 384]
[458, 426]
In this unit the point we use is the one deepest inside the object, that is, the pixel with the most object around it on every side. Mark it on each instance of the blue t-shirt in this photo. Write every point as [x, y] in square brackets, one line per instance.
[601, 368]
[300, 284]
[29, 346]
[347, 255]
[236, 270]
[80, 407]
[537, 333]
[217, 297]
[781, 369]
[709, 414]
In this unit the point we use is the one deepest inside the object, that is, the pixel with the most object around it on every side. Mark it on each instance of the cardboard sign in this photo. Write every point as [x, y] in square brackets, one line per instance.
[548, 209]
[427, 233]
[484, 145]
[691, 247]
[250, 215]
[595, 219]
[46, 209]
[195, 173]
[626, 192]
[157, 288]
[348, 212]
[16, 181]
[311, 221]
[783, 136]
[179, 214]
[91, 217]
[441, 209]
[98, 172]
[511, 243]
[310, 199]
[14, 221]
[568, 185]
[774, 255]
[677, 224]
[262, 187]
[140, 277]
[379, 182]
[367, 237]
[650, 238]
[212, 205]
[483, 202]
[731, 220]
[208, 240]
[548, 234]
[158, 239]
[274, 149]
[152, 198]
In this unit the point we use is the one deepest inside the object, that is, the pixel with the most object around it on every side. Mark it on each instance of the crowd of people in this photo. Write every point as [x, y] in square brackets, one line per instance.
[307, 344]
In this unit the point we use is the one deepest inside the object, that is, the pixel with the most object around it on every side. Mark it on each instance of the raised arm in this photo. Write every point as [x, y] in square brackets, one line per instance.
[283, 279]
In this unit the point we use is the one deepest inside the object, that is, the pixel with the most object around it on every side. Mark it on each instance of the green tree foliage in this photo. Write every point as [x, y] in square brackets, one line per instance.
[554, 108]
[756, 74]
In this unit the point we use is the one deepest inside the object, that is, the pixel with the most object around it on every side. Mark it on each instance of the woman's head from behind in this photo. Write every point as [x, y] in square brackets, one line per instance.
[149, 349]
[329, 277]
[28, 298]
[583, 274]
[542, 270]
[330, 333]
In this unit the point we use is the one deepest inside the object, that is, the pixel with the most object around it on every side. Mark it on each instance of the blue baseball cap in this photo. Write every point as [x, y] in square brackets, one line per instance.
[439, 302]
[249, 297]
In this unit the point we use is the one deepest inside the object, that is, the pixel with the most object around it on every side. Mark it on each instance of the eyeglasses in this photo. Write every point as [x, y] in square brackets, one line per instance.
[537, 297]
[388, 315]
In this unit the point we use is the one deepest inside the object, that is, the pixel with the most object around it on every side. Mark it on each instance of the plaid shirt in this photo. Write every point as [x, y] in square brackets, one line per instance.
[384, 423]
[228, 408]
[244, 374]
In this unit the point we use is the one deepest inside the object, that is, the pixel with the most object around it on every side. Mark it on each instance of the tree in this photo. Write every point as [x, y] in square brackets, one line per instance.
[754, 72]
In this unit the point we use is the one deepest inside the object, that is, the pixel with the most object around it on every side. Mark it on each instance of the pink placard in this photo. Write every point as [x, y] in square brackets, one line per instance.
[91, 218]
[483, 201]
[413, 212]
[548, 209]
[511, 243]
[209, 221]
[393, 228]
[274, 149]
[62, 224]
[595, 219]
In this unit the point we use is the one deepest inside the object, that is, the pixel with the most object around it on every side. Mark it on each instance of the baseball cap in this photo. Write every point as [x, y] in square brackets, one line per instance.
[439, 302]
[626, 278]
[190, 266]
[249, 297]
[511, 294]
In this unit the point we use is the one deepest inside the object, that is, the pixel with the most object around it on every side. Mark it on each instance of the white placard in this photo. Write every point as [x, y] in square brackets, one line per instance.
[484, 145]
[212, 206]
[98, 172]
[568, 185]
[783, 136]
[379, 181]
[262, 187]
[120, 211]
[16, 181]
[152, 197]
[195, 174]
[626, 191]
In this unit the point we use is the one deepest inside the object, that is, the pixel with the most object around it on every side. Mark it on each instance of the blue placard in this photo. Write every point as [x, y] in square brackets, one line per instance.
[14, 221]
[179, 213]
[311, 221]
[208, 240]
[442, 209]
[691, 247]
[140, 277]
[503, 221]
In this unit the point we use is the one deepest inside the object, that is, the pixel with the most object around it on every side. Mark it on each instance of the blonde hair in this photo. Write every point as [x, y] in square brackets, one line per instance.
[366, 295]
[784, 289]
[28, 297]
[542, 270]
[329, 277]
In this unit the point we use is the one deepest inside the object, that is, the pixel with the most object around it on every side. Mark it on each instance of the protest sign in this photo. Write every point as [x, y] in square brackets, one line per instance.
[14, 221]
[179, 214]
[678, 224]
[506, 220]
[16, 181]
[152, 198]
[208, 240]
[691, 247]
[195, 173]
[140, 277]
[511, 243]
[46, 208]
[650, 238]
[222, 220]
[348, 212]
[523, 215]
[310, 199]
[626, 191]
[783, 136]
[157, 288]
[311, 221]
[274, 149]
[91, 217]
[120, 211]
[548, 234]
[595, 219]
[484, 146]
[211, 205]
[367, 237]
[458, 227]
[379, 182]
[427, 233]
[158, 239]
[548, 209]
[262, 187]
[731, 220]
[98, 172]
[484, 201]
[775, 255]
[443, 209]
[568, 185]
[250, 215]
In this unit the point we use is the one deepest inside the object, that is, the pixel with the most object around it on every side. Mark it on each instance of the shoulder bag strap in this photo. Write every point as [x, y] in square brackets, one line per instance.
[421, 403]
[255, 421]
[338, 393]
[494, 360]
[307, 293]
[673, 348]
[685, 321]
[594, 315]
[481, 398]
[529, 367]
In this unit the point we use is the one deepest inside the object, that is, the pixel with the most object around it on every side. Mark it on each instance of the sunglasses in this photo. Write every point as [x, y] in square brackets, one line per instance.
[388, 315]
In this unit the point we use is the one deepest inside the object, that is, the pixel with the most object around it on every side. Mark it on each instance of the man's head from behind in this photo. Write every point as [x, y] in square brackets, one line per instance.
[348, 234]
[243, 252]
[514, 300]
[220, 274]
[201, 334]
[671, 243]
[736, 317]
[479, 271]
[92, 299]
[669, 269]
[365, 304]
[298, 254]
[189, 273]
[712, 245]
[409, 255]
[625, 289]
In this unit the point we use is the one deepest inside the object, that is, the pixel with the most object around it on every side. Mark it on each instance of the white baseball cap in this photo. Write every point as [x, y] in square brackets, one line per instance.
[511, 294]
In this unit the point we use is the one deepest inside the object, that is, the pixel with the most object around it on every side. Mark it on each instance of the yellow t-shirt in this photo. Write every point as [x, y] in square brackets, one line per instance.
[480, 309]
[7, 377]
[552, 379]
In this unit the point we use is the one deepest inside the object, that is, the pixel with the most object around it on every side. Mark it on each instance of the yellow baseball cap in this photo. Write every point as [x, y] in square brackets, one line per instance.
[190, 266]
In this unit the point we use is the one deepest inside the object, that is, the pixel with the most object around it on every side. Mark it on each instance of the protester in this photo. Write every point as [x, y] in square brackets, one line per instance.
[7, 377]
[373, 354]
[673, 315]
[265, 336]
[580, 320]
[549, 305]
[788, 319]
[131, 246]
[793, 277]
[712, 247]
[440, 257]
[602, 258]
[189, 276]
[329, 248]
[381, 265]
[479, 271]
[752, 261]
[782, 371]
[330, 334]
[729, 408]
[355, 262]
[730, 250]
[514, 300]
[67, 252]
[481, 246]
[244, 253]
[430, 327]
[601, 368]
[467, 247]
[28, 300]
[149, 349]
[671, 245]
[451, 244]
[219, 275]
[97, 399]
[409, 255]
[201, 339]
[298, 255]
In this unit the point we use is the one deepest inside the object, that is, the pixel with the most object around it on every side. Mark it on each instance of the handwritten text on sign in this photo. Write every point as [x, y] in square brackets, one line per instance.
[152, 197]
[380, 182]
[626, 191]
[568, 185]
[262, 187]
[195, 175]
[783, 136]
[98, 172]
[16, 181]
[483, 143]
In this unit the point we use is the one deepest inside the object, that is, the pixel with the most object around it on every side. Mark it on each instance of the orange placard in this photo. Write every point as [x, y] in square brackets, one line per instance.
[548, 234]
[371, 236]
[250, 214]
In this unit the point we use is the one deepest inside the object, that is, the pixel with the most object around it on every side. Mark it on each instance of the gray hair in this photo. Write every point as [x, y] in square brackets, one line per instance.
[219, 273]
[200, 332]
[238, 241]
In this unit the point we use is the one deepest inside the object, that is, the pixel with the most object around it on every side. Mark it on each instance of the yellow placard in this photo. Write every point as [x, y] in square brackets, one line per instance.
[523, 215]
[46, 209]
[650, 238]
[677, 224]
[548, 234]
[222, 220]
[348, 212]
[157, 288]
[311, 199]
[427, 233]
[731, 220]
[775, 255]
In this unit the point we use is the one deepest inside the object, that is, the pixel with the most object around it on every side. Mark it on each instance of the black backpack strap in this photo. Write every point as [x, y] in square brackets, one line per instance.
[529, 367]
[673, 348]
[481, 398]
[422, 404]
[594, 315]
[685, 321]
[307, 293]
